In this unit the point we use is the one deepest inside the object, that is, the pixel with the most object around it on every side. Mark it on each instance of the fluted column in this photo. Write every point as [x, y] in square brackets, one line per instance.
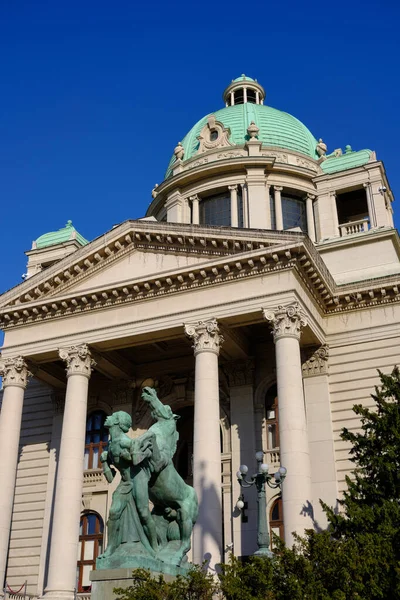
[287, 323]
[68, 499]
[310, 216]
[278, 208]
[195, 209]
[15, 377]
[234, 205]
[207, 539]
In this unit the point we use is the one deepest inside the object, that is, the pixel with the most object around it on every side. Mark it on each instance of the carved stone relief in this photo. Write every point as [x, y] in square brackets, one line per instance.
[213, 135]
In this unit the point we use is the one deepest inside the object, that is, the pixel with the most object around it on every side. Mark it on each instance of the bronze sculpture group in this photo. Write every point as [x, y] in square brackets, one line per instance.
[138, 536]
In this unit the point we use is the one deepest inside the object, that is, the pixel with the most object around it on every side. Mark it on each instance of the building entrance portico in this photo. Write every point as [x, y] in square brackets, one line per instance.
[94, 377]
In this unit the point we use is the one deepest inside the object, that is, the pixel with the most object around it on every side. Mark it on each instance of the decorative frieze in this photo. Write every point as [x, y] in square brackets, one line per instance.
[315, 361]
[286, 321]
[14, 371]
[205, 336]
[78, 359]
[240, 372]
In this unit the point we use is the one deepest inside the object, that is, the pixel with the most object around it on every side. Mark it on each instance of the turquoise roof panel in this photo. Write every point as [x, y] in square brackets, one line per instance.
[349, 160]
[65, 234]
[277, 129]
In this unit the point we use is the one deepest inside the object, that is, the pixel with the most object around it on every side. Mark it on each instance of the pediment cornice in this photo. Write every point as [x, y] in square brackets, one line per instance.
[145, 235]
[213, 271]
[228, 254]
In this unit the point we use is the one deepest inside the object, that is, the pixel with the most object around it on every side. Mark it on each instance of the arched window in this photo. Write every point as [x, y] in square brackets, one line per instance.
[90, 547]
[96, 439]
[272, 417]
[276, 520]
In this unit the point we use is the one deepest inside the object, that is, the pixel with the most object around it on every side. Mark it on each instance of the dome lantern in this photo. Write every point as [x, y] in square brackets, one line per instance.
[244, 90]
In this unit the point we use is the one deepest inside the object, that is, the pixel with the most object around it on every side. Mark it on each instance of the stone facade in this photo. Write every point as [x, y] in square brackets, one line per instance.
[222, 318]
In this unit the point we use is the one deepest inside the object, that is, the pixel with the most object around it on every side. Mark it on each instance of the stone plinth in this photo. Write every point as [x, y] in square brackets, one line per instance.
[105, 580]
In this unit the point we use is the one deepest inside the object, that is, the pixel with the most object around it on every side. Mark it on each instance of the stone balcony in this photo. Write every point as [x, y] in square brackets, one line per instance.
[353, 227]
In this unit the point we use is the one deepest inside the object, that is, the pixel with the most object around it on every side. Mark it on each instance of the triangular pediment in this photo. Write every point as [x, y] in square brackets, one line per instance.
[137, 249]
[137, 264]
[139, 260]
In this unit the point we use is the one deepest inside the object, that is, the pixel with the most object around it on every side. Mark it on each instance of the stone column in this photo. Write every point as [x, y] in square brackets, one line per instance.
[207, 539]
[320, 431]
[370, 205]
[278, 208]
[234, 205]
[15, 377]
[245, 205]
[68, 499]
[310, 216]
[240, 376]
[244, 95]
[268, 205]
[335, 214]
[287, 322]
[195, 209]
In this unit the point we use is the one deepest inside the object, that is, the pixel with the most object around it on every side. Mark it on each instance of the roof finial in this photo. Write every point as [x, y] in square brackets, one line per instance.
[68, 223]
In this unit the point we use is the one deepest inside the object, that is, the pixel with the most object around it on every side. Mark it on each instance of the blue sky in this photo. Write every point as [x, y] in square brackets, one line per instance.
[94, 96]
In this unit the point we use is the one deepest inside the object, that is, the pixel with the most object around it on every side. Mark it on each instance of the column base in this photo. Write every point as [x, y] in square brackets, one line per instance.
[58, 595]
[264, 553]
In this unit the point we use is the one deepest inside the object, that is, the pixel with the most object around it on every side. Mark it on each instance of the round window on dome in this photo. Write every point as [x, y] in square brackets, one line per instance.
[213, 135]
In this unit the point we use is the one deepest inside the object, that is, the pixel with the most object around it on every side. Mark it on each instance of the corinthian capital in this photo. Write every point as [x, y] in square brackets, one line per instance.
[205, 336]
[286, 321]
[315, 361]
[14, 371]
[78, 359]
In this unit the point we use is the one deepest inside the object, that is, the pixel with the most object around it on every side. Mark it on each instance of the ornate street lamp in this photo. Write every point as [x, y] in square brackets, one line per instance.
[260, 478]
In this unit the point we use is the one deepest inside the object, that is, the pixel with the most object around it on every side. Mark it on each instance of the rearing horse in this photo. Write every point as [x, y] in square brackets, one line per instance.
[156, 479]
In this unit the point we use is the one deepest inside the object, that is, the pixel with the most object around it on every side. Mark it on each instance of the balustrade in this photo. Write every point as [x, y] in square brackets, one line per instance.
[353, 227]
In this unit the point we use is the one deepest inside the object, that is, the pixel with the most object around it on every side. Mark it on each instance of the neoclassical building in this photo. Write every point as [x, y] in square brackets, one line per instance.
[259, 295]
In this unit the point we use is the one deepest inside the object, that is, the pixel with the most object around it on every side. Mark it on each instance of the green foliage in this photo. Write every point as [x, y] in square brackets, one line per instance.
[250, 580]
[357, 558]
[197, 585]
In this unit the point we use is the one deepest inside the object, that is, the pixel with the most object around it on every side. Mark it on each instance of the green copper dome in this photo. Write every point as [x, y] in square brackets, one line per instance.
[277, 129]
[243, 78]
[65, 234]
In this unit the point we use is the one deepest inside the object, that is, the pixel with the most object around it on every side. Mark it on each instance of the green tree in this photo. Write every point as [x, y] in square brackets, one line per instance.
[370, 508]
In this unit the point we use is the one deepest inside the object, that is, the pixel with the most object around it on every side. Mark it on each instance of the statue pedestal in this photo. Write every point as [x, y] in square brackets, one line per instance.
[105, 580]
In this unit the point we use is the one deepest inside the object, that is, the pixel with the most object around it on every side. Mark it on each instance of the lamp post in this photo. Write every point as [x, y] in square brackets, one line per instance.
[259, 479]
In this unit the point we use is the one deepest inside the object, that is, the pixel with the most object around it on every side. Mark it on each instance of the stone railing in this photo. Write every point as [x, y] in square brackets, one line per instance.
[83, 596]
[353, 227]
[91, 476]
[273, 459]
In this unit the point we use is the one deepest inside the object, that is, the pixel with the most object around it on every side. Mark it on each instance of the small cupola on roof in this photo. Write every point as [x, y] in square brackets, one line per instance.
[244, 90]
[53, 246]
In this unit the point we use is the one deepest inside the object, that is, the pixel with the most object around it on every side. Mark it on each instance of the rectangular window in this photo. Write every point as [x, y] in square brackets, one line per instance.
[216, 210]
[294, 213]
